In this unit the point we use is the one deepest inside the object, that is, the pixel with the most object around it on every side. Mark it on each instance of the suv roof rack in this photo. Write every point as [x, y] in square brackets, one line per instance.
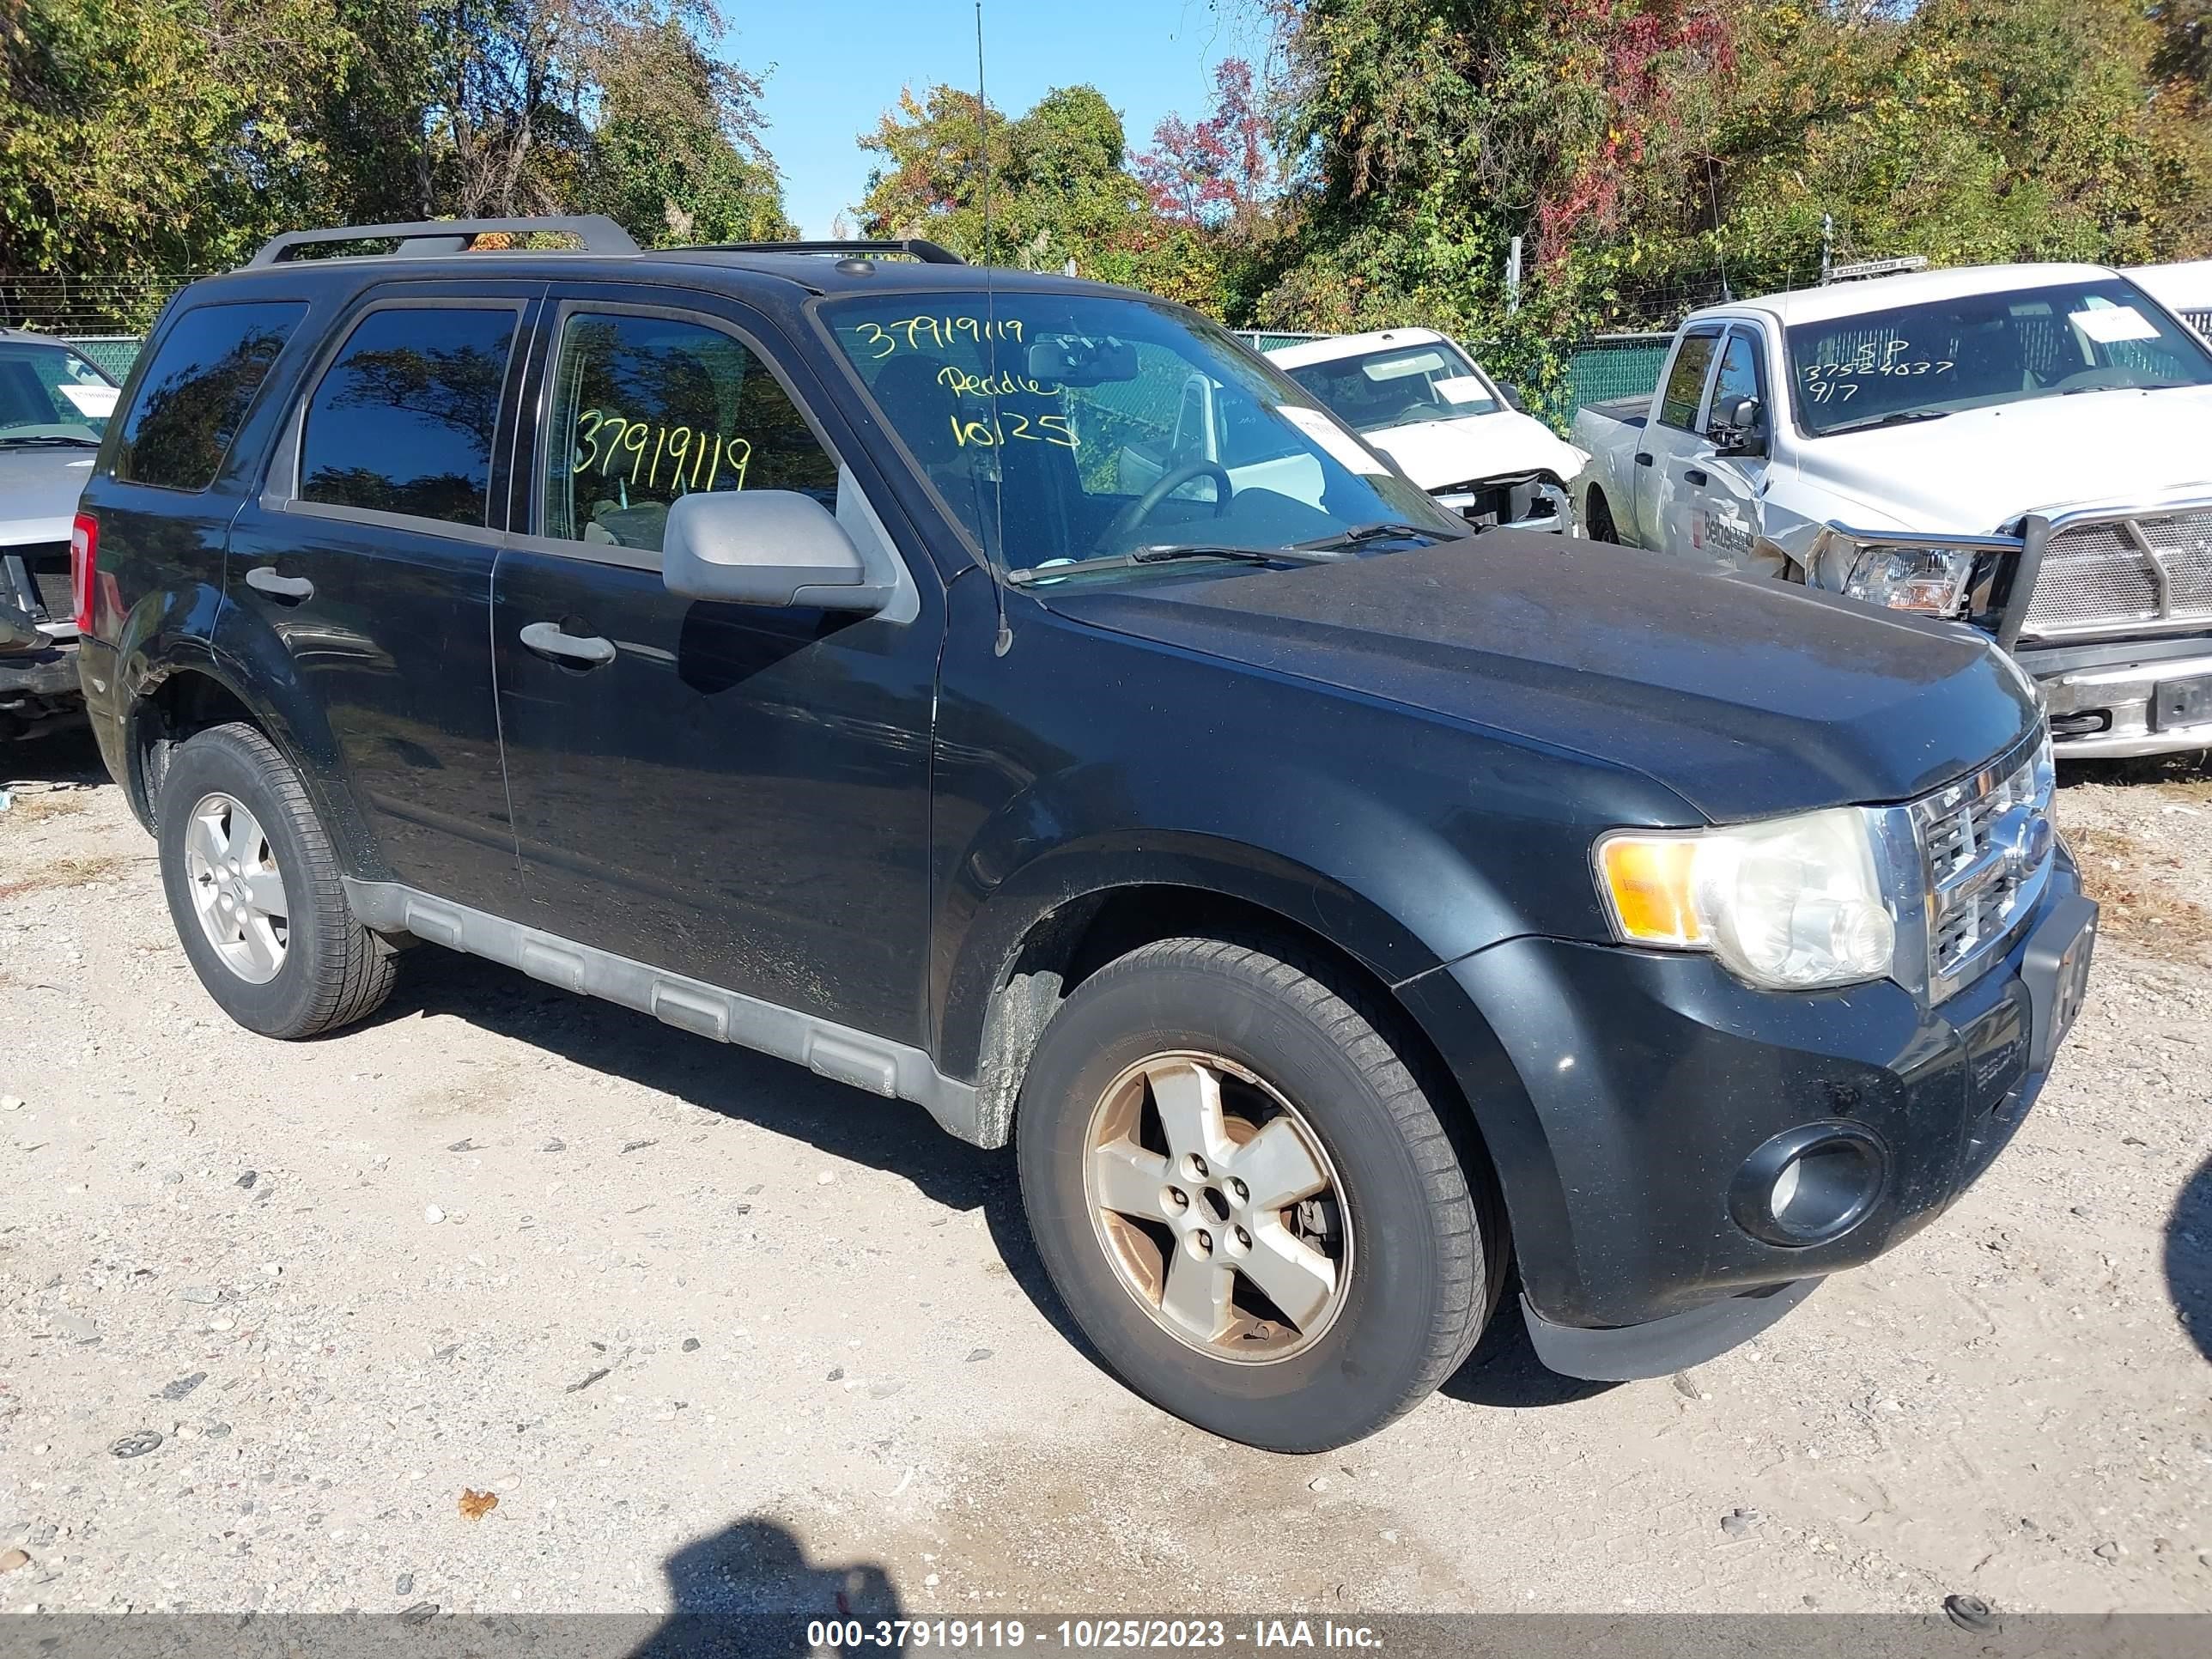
[929, 253]
[597, 234]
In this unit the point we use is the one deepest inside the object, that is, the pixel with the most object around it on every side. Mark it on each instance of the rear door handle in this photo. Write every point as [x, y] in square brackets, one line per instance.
[547, 640]
[1693, 476]
[1644, 460]
[263, 579]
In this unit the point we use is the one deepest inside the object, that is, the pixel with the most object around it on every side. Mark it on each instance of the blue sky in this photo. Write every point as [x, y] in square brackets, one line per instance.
[839, 64]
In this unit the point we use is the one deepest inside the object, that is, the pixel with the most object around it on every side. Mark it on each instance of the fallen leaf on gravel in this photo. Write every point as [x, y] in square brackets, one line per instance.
[578, 1388]
[475, 1506]
[13, 1559]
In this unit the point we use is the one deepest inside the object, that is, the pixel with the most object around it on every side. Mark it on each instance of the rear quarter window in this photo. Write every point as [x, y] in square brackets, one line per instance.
[196, 392]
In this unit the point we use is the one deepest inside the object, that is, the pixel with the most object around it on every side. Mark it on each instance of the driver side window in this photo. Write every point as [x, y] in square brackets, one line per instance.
[647, 409]
[1738, 379]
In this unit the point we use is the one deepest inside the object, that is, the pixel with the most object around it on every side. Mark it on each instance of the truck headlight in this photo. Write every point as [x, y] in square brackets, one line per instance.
[1930, 580]
[1791, 903]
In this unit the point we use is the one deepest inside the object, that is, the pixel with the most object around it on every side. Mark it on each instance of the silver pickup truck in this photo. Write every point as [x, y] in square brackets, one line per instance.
[2027, 448]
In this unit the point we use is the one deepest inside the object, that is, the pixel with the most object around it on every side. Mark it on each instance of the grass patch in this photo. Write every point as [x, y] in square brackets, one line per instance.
[2144, 893]
[66, 872]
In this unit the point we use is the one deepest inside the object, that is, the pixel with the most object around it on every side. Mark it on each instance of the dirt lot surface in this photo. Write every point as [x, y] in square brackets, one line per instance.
[278, 1324]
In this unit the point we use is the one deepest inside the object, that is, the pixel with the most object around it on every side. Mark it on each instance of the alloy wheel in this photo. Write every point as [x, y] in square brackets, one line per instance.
[237, 892]
[1218, 1206]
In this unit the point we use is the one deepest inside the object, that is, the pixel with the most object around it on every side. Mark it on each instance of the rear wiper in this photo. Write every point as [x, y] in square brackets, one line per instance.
[1898, 417]
[50, 438]
[1168, 554]
[1373, 532]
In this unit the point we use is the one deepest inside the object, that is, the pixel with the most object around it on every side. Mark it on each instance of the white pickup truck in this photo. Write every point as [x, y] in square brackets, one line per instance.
[2028, 448]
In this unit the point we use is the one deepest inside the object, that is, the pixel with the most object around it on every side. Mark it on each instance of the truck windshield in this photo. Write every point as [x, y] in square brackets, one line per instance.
[1923, 361]
[49, 394]
[1398, 386]
[1058, 427]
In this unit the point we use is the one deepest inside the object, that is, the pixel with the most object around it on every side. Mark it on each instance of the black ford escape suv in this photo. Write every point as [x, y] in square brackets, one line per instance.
[825, 650]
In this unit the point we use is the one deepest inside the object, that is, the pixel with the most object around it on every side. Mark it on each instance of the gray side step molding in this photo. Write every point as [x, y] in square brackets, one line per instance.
[882, 1068]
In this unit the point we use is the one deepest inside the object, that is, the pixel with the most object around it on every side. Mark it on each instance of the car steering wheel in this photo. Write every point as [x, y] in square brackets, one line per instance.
[1140, 509]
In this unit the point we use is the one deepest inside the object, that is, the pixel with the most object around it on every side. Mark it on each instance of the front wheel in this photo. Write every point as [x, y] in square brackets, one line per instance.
[1247, 1200]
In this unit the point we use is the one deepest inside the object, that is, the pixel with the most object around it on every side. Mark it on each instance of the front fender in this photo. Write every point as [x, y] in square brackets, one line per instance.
[1375, 882]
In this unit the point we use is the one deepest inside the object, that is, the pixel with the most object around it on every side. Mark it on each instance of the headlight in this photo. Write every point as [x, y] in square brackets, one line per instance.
[1925, 579]
[1792, 903]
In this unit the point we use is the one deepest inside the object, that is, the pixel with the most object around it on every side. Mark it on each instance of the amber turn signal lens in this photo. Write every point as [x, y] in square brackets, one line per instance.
[1648, 881]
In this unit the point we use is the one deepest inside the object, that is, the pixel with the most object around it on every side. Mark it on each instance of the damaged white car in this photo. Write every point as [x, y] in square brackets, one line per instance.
[1414, 395]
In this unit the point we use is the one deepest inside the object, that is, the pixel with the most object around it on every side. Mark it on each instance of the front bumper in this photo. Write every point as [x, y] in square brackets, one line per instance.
[2105, 701]
[1657, 1081]
[1512, 504]
[38, 689]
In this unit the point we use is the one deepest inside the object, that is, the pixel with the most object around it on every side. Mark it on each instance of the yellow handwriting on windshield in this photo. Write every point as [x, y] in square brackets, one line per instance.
[913, 333]
[608, 440]
[1006, 385]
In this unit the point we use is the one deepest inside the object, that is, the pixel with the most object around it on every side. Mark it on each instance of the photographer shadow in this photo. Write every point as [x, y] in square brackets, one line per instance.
[750, 1589]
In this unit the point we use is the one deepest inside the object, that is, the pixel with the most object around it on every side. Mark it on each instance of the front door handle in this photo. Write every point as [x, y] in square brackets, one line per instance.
[1694, 476]
[263, 579]
[547, 640]
[1643, 460]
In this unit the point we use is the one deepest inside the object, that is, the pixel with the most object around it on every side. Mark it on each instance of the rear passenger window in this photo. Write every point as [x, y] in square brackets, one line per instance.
[195, 392]
[647, 409]
[403, 421]
[1686, 381]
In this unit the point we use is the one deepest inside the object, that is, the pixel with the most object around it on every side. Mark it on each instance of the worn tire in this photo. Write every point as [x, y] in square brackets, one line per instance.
[1424, 1234]
[334, 971]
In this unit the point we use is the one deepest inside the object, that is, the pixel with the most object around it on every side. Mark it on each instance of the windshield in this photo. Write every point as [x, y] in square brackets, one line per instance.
[1399, 386]
[1923, 361]
[1073, 426]
[50, 394]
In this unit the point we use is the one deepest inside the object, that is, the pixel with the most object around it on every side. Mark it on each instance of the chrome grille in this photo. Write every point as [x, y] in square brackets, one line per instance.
[1985, 845]
[2111, 574]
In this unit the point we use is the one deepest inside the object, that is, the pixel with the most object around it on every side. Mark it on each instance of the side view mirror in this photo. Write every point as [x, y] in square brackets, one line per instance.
[1511, 393]
[772, 547]
[1742, 428]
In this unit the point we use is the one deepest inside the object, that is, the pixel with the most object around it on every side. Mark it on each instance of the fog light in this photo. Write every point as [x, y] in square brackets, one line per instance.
[1809, 1185]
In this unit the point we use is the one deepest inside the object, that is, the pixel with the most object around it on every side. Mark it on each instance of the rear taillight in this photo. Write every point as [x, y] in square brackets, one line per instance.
[84, 563]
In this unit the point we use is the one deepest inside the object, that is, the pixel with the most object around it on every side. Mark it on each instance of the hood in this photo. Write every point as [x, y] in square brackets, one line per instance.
[1974, 472]
[1744, 696]
[1437, 453]
[38, 489]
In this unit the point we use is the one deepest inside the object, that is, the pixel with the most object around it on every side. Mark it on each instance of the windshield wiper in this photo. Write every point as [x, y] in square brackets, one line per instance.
[1896, 417]
[51, 438]
[1167, 553]
[1385, 531]
[2146, 385]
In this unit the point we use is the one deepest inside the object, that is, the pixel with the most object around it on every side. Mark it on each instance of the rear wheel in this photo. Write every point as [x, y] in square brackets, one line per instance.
[252, 884]
[1597, 518]
[1247, 1200]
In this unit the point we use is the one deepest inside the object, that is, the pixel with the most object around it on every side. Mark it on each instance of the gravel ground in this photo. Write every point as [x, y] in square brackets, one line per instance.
[513, 1301]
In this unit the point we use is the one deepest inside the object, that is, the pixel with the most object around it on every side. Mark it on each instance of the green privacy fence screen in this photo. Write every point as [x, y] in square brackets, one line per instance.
[112, 353]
